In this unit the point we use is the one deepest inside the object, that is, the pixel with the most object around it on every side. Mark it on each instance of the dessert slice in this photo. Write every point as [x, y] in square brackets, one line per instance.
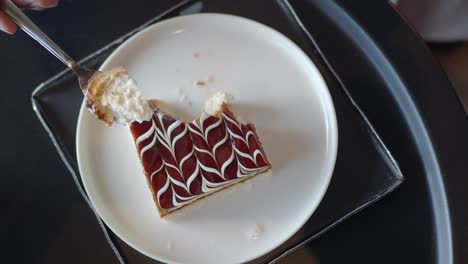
[187, 161]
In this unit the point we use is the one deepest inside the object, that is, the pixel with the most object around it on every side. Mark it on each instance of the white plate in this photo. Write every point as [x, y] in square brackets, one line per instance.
[276, 86]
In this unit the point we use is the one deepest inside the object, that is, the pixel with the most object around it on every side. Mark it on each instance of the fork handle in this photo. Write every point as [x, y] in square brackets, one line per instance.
[32, 30]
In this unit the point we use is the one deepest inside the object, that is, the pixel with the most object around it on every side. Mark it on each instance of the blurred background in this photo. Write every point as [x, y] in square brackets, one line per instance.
[444, 26]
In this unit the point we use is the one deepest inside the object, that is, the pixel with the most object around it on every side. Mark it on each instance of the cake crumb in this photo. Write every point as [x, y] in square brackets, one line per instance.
[255, 232]
[196, 55]
[200, 83]
[214, 105]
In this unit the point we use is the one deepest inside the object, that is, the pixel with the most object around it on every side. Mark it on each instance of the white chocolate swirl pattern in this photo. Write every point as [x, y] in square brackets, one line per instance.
[184, 162]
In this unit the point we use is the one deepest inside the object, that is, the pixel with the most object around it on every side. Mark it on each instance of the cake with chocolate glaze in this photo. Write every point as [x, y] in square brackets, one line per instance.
[186, 161]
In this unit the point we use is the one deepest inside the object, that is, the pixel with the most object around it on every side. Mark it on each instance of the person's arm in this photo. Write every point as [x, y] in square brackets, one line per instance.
[8, 26]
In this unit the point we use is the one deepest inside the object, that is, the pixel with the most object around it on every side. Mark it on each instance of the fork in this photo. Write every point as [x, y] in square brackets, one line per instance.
[23, 22]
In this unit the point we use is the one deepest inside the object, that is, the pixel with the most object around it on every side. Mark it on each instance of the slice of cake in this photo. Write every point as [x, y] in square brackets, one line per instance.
[187, 161]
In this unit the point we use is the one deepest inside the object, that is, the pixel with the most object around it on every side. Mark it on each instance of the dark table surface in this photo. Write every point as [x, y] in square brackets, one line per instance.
[47, 221]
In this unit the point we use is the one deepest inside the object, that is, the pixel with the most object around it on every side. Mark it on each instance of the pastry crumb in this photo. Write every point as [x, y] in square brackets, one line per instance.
[200, 83]
[255, 232]
[214, 105]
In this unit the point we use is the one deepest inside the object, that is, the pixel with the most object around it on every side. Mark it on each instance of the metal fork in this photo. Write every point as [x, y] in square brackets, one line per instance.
[32, 30]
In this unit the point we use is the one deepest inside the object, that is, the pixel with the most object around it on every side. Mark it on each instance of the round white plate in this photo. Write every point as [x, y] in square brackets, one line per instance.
[276, 86]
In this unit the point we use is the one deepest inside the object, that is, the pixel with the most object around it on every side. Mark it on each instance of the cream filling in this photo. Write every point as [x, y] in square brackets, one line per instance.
[213, 106]
[121, 101]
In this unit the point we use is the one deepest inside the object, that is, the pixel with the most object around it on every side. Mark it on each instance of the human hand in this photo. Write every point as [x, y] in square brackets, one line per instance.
[7, 25]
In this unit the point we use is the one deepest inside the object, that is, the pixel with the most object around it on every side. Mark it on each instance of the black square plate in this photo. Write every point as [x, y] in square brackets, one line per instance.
[365, 170]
